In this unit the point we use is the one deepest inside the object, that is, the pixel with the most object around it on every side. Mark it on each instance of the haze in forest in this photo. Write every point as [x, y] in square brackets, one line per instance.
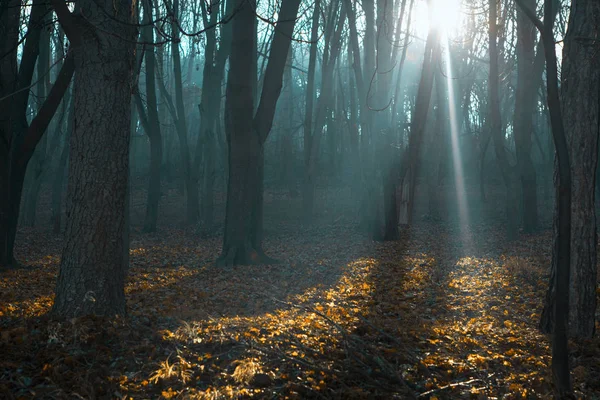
[315, 156]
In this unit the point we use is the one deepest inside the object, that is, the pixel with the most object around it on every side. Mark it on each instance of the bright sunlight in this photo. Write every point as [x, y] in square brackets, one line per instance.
[444, 14]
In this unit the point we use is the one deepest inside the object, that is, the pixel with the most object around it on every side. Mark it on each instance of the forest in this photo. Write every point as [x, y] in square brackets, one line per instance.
[290, 199]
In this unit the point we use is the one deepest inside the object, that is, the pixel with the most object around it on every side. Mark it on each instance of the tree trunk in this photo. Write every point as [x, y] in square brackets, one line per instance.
[580, 92]
[191, 184]
[410, 161]
[153, 131]
[495, 126]
[246, 134]
[38, 160]
[210, 108]
[562, 217]
[308, 193]
[59, 175]
[17, 140]
[94, 261]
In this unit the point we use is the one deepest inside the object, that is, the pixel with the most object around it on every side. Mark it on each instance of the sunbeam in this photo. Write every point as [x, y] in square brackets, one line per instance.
[459, 177]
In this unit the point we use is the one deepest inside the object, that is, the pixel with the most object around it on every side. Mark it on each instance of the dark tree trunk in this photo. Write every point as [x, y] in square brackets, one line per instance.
[495, 126]
[562, 218]
[59, 175]
[39, 158]
[17, 140]
[525, 97]
[390, 180]
[95, 254]
[191, 184]
[308, 192]
[410, 160]
[153, 131]
[580, 92]
[434, 153]
[246, 133]
[323, 106]
[210, 109]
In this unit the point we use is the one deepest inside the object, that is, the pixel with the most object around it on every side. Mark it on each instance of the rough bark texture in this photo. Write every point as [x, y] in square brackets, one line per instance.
[581, 98]
[94, 260]
[580, 91]
[246, 134]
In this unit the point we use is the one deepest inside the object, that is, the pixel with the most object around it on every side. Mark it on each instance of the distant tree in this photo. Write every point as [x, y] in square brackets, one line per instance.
[18, 139]
[495, 125]
[151, 122]
[410, 160]
[247, 131]
[313, 129]
[528, 75]
[95, 254]
[191, 185]
[216, 53]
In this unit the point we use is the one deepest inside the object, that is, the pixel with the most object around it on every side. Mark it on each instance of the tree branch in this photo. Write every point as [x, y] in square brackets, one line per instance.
[531, 15]
[40, 123]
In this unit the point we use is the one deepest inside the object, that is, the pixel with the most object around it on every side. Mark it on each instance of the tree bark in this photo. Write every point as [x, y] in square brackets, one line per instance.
[580, 91]
[95, 254]
[59, 175]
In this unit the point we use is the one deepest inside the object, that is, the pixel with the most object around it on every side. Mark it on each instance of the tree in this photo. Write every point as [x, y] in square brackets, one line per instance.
[151, 122]
[562, 216]
[495, 125]
[95, 253]
[313, 130]
[18, 139]
[410, 160]
[525, 100]
[247, 132]
[191, 185]
[580, 92]
[210, 107]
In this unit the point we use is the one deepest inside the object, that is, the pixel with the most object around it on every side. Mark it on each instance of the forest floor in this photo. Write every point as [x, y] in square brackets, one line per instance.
[439, 314]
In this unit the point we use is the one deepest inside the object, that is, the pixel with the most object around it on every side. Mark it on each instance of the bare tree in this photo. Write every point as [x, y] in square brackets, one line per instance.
[247, 131]
[18, 139]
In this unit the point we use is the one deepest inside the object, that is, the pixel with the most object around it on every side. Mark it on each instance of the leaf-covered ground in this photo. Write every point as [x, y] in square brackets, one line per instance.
[438, 314]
